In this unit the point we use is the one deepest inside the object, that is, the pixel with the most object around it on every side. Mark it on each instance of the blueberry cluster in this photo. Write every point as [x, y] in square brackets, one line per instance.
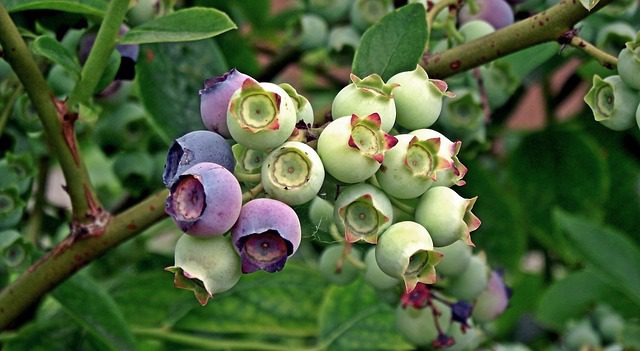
[388, 175]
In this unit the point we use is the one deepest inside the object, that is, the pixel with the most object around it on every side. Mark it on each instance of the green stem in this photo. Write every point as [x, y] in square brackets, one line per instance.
[335, 234]
[58, 126]
[435, 10]
[8, 108]
[605, 59]
[68, 257]
[100, 53]
[252, 193]
[549, 25]
[200, 342]
[248, 177]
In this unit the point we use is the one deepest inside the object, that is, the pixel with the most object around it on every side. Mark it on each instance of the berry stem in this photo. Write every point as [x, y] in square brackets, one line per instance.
[8, 107]
[100, 53]
[67, 258]
[57, 123]
[546, 26]
[252, 193]
[335, 233]
[435, 10]
[607, 60]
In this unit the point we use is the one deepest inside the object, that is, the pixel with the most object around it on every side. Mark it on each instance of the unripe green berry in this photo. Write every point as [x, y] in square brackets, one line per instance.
[417, 98]
[455, 259]
[304, 111]
[464, 341]
[207, 266]
[409, 168]
[292, 173]
[468, 285]
[475, 29]
[310, 31]
[364, 13]
[455, 171]
[261, 115]
[364, 97]
[362, 212]
[447, 216]
[613, 103]
[374, 275]
[418, 326]
[336, 268]
[352, 148]
[629, 63]
[580, 336]
[405, 251]
[321, 213]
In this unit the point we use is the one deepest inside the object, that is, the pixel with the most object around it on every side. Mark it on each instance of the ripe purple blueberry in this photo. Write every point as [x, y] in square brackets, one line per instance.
[207, 266]
[352, 148]
[193, 148]
[214, 100]
[266, 234]
[205, 200]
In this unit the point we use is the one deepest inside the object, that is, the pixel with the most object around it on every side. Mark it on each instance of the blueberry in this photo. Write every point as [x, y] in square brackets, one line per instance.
[214, 100]
[266, 234]
[193, 148]
[364, 97]
[498, 13]
[493, 301]
[362, 212]
[205, 200]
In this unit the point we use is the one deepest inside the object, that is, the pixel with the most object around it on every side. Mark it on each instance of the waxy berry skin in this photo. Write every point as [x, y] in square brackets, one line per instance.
[261, 116]
[352, 148]
[362, 212]
[472, 282]
[205, 200]
[207, 266]
[447, 216]
[292, 173]
[418, 325]
[266, 234]
[612, 102]
[417, 98]
[492, 301]
[364, 97]
[193, 148]
[214, 100]
[405, 251]
[629, 63]
[336, 268]
[455, 260]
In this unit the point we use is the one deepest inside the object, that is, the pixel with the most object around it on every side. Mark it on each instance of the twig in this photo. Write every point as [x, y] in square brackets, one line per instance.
[252, 193]
[100, 53]
[607, 60]
[58, 125]
[52, 269]
[548, 25]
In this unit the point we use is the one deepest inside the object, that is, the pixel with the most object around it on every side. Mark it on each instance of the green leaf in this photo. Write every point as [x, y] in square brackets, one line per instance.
[555, 308]
[85, 7]
[92, 307]
[502, 231]
[562, 167]
[169, 77]
[58, 333]
[611, 253]
[393, 45]
[525, 61]
[55, 52]
[353, 317]
[184, 25]
[150, 300]
[285, 304]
